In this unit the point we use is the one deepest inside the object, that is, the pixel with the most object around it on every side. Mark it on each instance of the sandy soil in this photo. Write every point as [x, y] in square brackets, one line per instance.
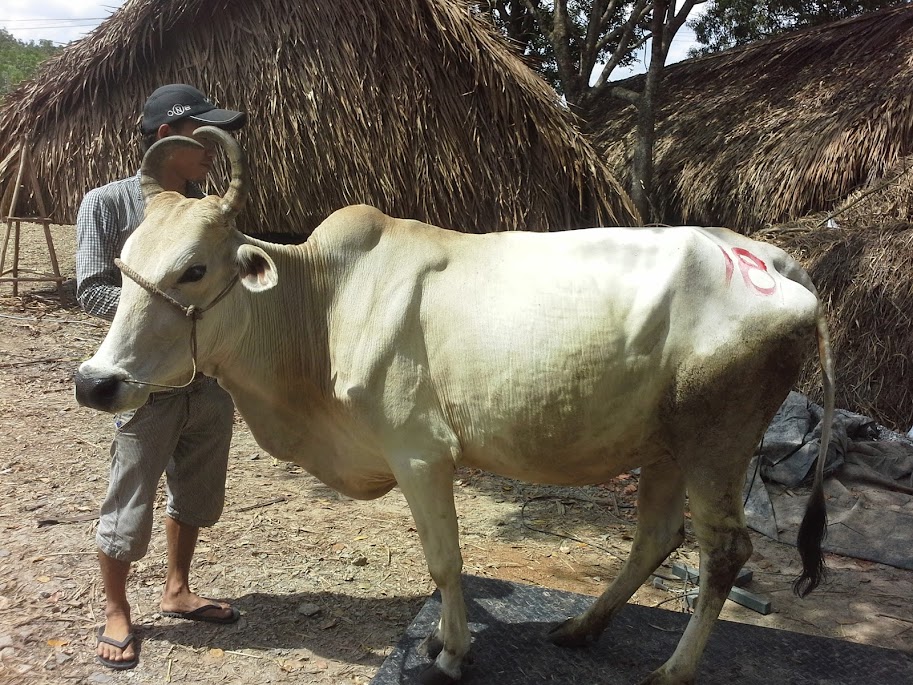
[326, 584]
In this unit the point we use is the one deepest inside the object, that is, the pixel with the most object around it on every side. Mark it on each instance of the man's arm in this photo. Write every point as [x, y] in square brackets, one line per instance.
[97, 244]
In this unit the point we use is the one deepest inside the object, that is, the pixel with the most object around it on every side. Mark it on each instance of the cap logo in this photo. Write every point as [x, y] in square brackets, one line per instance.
[178, 110]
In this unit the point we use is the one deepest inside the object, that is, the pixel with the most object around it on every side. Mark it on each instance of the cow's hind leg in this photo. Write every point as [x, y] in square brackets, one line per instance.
[660, 529]
[428, 488]
[717, 515]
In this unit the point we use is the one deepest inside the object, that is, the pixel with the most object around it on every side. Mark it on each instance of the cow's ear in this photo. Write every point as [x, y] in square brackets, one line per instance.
[256, 269]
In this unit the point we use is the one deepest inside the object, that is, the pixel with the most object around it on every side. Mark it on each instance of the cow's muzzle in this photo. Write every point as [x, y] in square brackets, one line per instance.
[96, 392]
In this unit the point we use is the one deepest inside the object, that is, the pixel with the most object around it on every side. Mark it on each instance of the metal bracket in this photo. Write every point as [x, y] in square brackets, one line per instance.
[738, 594]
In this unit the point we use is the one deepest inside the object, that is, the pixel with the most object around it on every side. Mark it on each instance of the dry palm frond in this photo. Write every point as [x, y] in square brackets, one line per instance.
[884, 200]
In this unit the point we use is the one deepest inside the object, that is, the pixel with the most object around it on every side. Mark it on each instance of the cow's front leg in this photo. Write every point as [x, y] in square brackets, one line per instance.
[428, 488]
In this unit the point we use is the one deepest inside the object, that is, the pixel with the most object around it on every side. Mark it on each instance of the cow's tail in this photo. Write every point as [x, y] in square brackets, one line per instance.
[814, 524]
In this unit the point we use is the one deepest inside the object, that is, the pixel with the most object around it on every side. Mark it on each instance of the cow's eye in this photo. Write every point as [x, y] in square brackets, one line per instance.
[193, 274]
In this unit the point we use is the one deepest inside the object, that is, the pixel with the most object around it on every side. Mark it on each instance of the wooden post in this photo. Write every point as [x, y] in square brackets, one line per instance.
[17, 184]
[14, 225]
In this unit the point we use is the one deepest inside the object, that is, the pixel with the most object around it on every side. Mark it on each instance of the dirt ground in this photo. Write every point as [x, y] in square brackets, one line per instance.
[326, 584]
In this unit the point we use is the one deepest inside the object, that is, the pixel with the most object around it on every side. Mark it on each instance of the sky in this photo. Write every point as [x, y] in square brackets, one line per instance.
[64, 20]
[681, 43]
[57, 20]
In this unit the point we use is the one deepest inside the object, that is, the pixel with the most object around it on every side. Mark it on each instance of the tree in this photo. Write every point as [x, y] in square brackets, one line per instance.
[19, 60]
[577, 44]
[728, 23]
[565, 41]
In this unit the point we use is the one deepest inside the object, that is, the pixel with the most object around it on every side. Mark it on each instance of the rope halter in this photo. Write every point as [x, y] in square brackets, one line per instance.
[192, 312]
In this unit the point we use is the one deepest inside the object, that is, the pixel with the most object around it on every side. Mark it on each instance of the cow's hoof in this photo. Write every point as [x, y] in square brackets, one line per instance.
[435, 676]
[565, 635]
[431, 646]
[662, 677]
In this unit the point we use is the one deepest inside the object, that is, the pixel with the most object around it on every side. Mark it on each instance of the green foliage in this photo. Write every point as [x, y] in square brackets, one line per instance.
[728, 23]
[19, 60]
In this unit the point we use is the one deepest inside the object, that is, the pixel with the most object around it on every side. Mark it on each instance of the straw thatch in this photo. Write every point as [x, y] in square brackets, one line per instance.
[886, 199]
[862, 273]
[414, 106]
[778, 129]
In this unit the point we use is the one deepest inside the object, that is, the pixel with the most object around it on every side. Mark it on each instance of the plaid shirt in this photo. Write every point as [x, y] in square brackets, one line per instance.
[106, 218]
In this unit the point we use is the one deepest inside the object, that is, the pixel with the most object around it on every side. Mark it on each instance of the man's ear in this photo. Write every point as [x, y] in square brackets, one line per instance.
[256, 269]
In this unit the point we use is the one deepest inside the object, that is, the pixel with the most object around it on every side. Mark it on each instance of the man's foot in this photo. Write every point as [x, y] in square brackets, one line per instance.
[195, 608]
[117, 646]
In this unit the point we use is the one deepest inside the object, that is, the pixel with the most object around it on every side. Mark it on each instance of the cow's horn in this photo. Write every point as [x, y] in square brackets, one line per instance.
[152, 163]
[233, 200]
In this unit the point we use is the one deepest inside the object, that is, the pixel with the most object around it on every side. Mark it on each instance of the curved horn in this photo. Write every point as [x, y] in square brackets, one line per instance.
[235, 196]
[152, 162]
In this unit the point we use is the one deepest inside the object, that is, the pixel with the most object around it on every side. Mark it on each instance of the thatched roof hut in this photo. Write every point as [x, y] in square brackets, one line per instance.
[778, 129]
[414, 106]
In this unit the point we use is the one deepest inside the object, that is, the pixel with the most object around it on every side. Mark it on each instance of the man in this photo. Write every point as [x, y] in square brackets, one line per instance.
[184, 433]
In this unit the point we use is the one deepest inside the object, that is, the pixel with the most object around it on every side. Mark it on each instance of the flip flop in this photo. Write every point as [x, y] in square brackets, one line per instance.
[202, 614]
[121, 645]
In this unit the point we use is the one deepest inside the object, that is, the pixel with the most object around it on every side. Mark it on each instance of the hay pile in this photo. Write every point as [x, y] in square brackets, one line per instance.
[863, 274]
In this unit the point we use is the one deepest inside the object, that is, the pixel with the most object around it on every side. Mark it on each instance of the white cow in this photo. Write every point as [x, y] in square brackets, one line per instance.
[387, 352]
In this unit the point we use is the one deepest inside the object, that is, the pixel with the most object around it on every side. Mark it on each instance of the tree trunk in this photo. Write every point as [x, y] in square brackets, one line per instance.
[642, 172]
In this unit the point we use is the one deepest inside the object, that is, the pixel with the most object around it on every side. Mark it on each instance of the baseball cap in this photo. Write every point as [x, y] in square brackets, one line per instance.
[176, 101]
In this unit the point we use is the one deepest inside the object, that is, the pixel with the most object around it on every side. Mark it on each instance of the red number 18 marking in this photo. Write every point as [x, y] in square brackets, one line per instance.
[754, 271]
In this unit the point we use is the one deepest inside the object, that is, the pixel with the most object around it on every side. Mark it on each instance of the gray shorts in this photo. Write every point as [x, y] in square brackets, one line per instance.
[184, 434]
